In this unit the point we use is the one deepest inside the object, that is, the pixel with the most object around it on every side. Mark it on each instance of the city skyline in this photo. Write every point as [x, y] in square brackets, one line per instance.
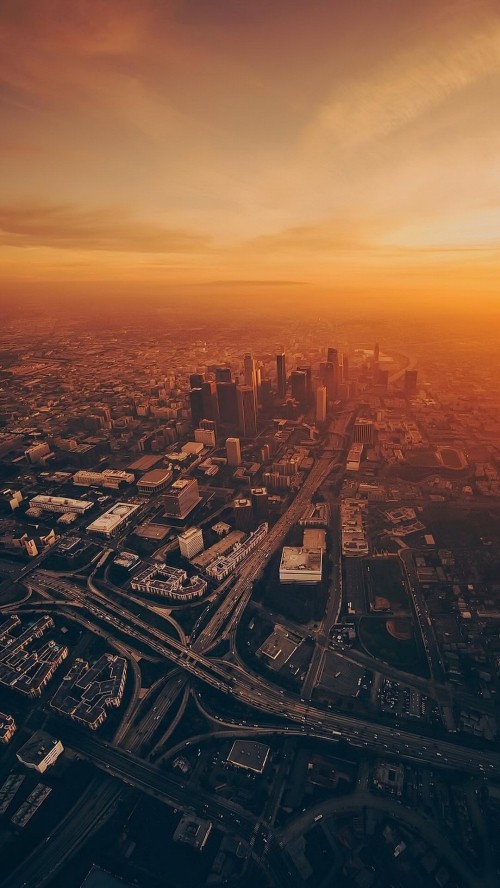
[251, 150]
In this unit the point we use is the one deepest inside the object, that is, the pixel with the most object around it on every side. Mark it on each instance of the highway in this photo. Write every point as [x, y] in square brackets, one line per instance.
[257, 693]
[228, 614]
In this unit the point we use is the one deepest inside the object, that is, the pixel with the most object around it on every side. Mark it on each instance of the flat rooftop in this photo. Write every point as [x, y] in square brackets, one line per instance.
[152, 531]
[144, 463]
[300, 558]
[114, 516]
[156, 476]
[36, 749]
[249, 754]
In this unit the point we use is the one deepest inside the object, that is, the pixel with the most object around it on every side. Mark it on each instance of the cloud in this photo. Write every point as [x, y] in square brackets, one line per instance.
[407, 85]
[67, 227]
[253, 283]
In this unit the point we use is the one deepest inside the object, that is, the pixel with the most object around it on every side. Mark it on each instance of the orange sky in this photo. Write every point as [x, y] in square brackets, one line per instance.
[345, 145]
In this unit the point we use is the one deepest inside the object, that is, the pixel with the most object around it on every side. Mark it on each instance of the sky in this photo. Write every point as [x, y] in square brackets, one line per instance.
[251, 148]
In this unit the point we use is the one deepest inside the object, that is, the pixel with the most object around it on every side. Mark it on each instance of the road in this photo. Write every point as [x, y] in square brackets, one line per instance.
[257, 693]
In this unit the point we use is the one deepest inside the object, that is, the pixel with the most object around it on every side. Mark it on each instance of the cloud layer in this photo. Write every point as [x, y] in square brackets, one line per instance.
[327, 142]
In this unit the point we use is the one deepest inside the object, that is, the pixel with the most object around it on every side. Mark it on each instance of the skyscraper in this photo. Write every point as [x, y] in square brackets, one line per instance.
[309, 391]
[410, 383]
[247, 413]
[250, 375]
[321, 403]
[196, 403]
[228, 403]
[223, 374]
[298, 380]
[281, 374]
[233, 451]
[196, 380]
[210, 403]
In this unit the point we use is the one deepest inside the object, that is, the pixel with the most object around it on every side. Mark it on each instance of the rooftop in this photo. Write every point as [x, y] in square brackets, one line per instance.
[249, 754]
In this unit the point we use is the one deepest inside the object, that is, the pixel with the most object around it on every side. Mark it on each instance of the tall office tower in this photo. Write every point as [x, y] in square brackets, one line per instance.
[309, 390]
[281, 374]
[258, 384]
[196, 380]
[247, 413]
[332, 355]
[298, 381]
[410, 383]
[266, 394]
[196, 402]
[321, 403]
[210, 403]
[223, 374]
[260, 503]
[233, 451]
[243, 514]
[376, 353]
[249, 368]
[327, 376]
[227, 399]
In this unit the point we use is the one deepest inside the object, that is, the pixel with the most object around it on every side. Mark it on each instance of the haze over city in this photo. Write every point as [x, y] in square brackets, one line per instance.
[237, 150]
[249, 444]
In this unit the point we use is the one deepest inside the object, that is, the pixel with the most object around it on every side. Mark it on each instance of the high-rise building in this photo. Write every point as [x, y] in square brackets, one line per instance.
[266, 394]
[196, 380]
[250, 373]
[196, 403]
[410, 383]
[309, 389]
[376, 353]
[210, 402]
[227, 399]
[260, 503]
[281, 374]
[332, 355]
[181, 497]
[233, 451]
[329, 380]
[243, 514]
[247, 413]
[223, 374]
[298, 380]
[321, 403]
[191, 542]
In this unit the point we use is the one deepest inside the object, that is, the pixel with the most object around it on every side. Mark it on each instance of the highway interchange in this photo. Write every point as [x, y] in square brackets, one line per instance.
[97, 607]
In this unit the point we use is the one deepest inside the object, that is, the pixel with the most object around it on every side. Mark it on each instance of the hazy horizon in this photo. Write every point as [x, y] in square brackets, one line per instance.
[185, 150]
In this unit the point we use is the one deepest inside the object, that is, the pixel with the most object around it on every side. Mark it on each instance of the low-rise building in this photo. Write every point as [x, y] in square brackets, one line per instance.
[114, 519]
[301, 565]
[7, 727]
[193, 831]
[111, 479]
[224, 565]
[155, 481]
[59, 504]
[168, 582]
[249, 754]
[40, 751]
[86, 692]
